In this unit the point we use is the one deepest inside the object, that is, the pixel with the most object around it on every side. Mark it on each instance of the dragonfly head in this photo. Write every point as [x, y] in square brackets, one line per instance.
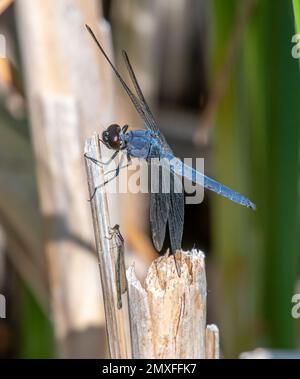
[111, 136]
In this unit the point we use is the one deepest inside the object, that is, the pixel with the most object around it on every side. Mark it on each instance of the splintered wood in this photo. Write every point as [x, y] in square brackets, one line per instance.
[168, 314]
[212, 348]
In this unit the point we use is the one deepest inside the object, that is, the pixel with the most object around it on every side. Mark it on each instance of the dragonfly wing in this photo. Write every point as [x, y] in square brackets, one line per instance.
[167, 206]
[159, 210]
[150, 121]
[138, 89]
[159, 203]
[176, 213]
[138, 104]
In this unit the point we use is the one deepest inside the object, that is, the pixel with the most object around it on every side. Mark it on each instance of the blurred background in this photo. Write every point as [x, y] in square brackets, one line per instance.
[222, 81]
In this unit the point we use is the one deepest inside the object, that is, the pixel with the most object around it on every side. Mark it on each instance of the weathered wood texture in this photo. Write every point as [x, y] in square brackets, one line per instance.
[212, 348]
[69, 95]
[168, 314]
[116, 319]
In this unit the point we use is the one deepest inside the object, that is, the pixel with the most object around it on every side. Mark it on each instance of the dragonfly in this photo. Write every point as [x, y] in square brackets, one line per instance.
[166, 207]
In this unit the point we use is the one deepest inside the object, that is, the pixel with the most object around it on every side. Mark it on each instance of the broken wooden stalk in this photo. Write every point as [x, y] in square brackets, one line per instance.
[168, 313]
[116, 319]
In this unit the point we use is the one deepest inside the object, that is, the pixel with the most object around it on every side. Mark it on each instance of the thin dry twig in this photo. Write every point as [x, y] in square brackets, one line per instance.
[116, 317]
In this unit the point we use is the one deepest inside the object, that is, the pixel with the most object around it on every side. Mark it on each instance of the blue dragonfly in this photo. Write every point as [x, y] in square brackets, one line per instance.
[166, 207]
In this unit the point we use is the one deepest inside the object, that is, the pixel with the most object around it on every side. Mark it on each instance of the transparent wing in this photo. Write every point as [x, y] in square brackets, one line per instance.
[159, 210]
[151, 122]
[159, 205]
[167, 206]
[176, 214]
[139, 106]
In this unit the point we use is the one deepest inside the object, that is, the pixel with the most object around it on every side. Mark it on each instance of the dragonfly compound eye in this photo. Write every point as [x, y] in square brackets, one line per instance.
[111, 137]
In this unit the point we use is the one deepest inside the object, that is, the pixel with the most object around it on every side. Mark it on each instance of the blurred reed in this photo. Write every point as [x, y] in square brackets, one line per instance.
[296, 7]
[256, 151]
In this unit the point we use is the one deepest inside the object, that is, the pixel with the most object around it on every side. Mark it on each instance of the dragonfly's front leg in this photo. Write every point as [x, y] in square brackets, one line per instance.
[119, 167]
[102, 163]
[116, 173]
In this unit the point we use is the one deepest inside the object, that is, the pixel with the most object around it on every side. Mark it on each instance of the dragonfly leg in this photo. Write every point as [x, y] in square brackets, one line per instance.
[116, 173]
[124, 128]
[102, 163]
[117, 170]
